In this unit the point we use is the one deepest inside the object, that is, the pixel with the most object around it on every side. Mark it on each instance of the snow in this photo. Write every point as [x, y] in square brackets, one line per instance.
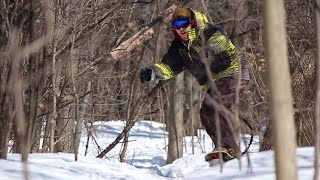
[146, 159]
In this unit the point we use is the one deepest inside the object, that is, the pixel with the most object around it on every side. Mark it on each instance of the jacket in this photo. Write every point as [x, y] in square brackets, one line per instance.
[223, 58]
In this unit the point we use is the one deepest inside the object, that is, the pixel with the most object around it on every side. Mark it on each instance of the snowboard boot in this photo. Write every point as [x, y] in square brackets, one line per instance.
[227, 154]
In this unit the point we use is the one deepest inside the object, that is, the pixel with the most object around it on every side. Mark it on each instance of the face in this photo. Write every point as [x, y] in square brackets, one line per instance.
[183, 32]
[181, 26]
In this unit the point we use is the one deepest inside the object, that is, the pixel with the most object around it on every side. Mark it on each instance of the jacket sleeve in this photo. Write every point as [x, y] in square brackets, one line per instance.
[170, 65]
[223, 55]
[219, 42]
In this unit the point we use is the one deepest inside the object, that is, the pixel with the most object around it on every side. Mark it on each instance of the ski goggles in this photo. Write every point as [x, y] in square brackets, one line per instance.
[181, 23]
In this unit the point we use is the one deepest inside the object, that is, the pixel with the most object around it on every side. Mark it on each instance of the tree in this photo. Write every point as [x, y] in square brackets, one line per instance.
[174, 123]
[282, 121]
[317, 99]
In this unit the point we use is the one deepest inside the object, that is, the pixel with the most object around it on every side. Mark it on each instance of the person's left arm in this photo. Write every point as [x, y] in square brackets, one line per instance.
[220, 51]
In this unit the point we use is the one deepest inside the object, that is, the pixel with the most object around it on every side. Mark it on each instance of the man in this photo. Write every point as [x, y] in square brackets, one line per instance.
[225, 62]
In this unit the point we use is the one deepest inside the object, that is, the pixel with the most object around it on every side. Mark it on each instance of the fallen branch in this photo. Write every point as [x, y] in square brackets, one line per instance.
[143, 35]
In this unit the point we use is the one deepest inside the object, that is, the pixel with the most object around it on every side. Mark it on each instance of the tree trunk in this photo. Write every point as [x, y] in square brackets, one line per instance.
[52, 119]
[5, 124]
[266, 143]
[33, 83]
[188, 109]
[282, 121]
[45, 140]
[175, 122]
[317, 99]
[78, 130]
[64, 131]
[303, 90]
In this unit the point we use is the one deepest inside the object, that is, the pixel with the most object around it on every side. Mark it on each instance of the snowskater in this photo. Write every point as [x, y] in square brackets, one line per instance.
[225, 62]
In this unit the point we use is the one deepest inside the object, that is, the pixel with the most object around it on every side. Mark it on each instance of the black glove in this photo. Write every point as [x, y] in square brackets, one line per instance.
[145, 75]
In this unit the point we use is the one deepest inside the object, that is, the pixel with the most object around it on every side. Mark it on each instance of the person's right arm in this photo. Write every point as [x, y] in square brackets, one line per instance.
[170, 66]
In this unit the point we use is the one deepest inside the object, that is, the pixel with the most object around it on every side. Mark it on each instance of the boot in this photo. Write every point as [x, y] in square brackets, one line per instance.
[227, 154]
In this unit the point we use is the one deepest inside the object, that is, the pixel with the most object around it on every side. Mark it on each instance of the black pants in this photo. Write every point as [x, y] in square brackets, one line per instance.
[227, 87]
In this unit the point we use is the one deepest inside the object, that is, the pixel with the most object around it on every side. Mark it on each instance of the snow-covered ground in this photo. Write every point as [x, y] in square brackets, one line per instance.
[146, 159]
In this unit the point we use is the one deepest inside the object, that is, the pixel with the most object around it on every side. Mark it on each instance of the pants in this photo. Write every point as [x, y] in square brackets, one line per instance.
[227, 87]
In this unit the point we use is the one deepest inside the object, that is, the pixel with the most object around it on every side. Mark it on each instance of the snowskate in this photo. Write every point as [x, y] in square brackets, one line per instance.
[213, 157]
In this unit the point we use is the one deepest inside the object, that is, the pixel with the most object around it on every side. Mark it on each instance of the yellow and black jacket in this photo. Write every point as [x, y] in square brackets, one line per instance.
[223, 58]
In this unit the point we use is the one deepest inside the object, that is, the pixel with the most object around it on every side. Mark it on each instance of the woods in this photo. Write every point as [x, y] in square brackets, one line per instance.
[61, 70]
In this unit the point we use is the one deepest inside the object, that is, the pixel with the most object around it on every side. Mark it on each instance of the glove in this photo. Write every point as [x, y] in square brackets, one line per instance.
[145, 75]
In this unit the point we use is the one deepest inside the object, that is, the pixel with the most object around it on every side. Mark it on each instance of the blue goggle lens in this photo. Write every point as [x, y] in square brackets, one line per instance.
[181, 23]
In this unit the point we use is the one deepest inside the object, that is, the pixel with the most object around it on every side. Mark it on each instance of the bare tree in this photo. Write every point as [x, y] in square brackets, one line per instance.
[283, 129]
[174, 123]
[317, 100]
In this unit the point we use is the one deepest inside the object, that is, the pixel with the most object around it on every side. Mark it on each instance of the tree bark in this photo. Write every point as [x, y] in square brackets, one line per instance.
[175, 122]
[5, 124]
[282, 121]
[81, 117]
[317, 100]
[53, 116]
